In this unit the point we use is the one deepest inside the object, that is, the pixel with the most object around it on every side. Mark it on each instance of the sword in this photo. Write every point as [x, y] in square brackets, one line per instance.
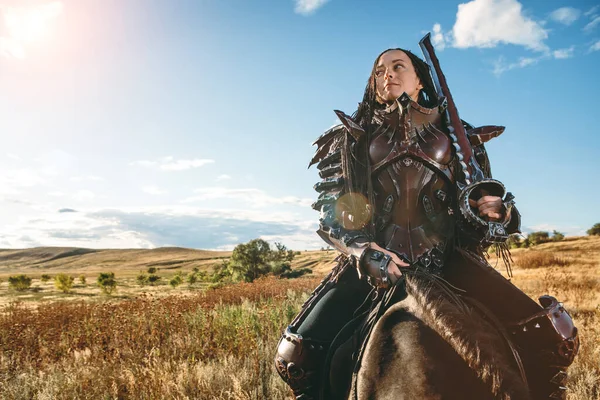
[474, 180]
[470, 168]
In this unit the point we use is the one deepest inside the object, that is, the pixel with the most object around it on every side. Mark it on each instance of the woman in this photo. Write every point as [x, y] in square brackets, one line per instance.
[388, 201]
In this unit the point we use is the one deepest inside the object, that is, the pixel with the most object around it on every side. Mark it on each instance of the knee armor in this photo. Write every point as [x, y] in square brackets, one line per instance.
[298, 361]
[549, 343]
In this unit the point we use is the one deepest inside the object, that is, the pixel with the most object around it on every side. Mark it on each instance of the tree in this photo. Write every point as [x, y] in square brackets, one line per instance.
[254, 259]
[107, 282]
[19, 283]
[594, 230]
[250, 260]
[536, 238]
[557, 236]
[63, 282]
[514, 241]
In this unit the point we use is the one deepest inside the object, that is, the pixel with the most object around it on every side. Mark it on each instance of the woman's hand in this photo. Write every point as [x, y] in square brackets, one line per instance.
[489, 206]
[395, 264]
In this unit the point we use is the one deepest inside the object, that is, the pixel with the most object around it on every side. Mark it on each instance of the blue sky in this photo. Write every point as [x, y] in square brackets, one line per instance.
[146, 123]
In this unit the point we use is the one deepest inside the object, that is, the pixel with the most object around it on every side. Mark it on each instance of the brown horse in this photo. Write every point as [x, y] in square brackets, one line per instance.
[430, 344]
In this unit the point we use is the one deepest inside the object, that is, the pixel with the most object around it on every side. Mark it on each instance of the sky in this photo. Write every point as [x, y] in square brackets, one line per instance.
[147, 123]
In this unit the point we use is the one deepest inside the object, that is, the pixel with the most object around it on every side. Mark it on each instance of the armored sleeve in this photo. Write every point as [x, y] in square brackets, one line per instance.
[340, 206]
[477, 138]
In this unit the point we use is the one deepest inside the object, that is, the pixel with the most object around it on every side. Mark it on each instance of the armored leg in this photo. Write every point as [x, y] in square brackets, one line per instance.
[303, 347]
[545, 335]
[548, 342]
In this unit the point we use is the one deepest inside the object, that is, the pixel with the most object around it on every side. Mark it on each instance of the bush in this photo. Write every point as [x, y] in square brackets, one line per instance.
[153, 279]
[191, 278]
[557, 236]
[176, 281]
[45, 278]
[63, 282]
[594, 230]
[19, 283]
[536, 238]
[142, 279]
[82, 279]
[151, 270]
[107, 282]
[514, 241]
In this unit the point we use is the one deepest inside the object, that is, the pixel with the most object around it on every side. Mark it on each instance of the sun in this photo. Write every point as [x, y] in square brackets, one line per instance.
[27, 25]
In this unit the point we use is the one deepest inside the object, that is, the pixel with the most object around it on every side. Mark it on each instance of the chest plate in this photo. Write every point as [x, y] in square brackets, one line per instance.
[413, 181]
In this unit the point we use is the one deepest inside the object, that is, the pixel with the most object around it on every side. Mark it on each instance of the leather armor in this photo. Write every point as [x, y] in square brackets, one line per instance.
[411, 168]
[412, 163]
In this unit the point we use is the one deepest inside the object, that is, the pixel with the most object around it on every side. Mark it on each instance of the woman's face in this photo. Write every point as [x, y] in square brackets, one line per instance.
[394, 75]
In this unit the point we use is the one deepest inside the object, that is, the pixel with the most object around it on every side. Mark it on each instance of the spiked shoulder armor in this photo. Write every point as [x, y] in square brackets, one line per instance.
[345, 212]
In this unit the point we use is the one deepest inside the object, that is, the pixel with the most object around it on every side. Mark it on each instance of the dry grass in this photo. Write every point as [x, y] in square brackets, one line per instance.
[538, 259]
[187, 344]
[218, 344]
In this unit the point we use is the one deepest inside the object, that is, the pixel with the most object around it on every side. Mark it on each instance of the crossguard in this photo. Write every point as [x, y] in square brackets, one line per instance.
[491, 231]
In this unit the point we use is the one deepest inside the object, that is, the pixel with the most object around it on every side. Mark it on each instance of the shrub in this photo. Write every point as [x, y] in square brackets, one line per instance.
[19, 283]
[153, 279]
[82, 279]
[191, 278]
[151, 270]
[514, 241]
[536, 238]
[63, 282]
[557, 236]
[176, 281]
[594, 230]
[538, 259]
[142, 279]
[45, 278]
[107, 282]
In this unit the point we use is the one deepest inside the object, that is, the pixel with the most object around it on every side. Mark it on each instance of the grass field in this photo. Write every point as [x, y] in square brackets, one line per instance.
[162, 342]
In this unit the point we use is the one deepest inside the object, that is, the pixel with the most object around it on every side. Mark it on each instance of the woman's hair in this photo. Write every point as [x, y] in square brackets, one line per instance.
[364, 115]
[427, 96]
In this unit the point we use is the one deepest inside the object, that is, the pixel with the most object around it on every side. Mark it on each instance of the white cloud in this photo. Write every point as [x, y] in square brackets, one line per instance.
[591, 25]
[486, 23]
[437, 38]
[170, 164]
[501, 66]
[592, 11]
[256, 197]
[148, 227]
[154, 190]
[595, 46]
[565, 15]
[223, 177]
[14, 156]
[307, 7]
[86, 178]
[83, 195]
[564, 53]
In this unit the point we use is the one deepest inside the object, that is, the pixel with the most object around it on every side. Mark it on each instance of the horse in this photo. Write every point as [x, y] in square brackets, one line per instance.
[428, 343]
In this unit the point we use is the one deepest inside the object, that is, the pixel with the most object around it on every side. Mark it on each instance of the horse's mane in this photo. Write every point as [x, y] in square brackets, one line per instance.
[475, 340]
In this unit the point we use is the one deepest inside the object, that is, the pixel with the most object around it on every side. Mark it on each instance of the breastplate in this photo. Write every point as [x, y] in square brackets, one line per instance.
[413, 182]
